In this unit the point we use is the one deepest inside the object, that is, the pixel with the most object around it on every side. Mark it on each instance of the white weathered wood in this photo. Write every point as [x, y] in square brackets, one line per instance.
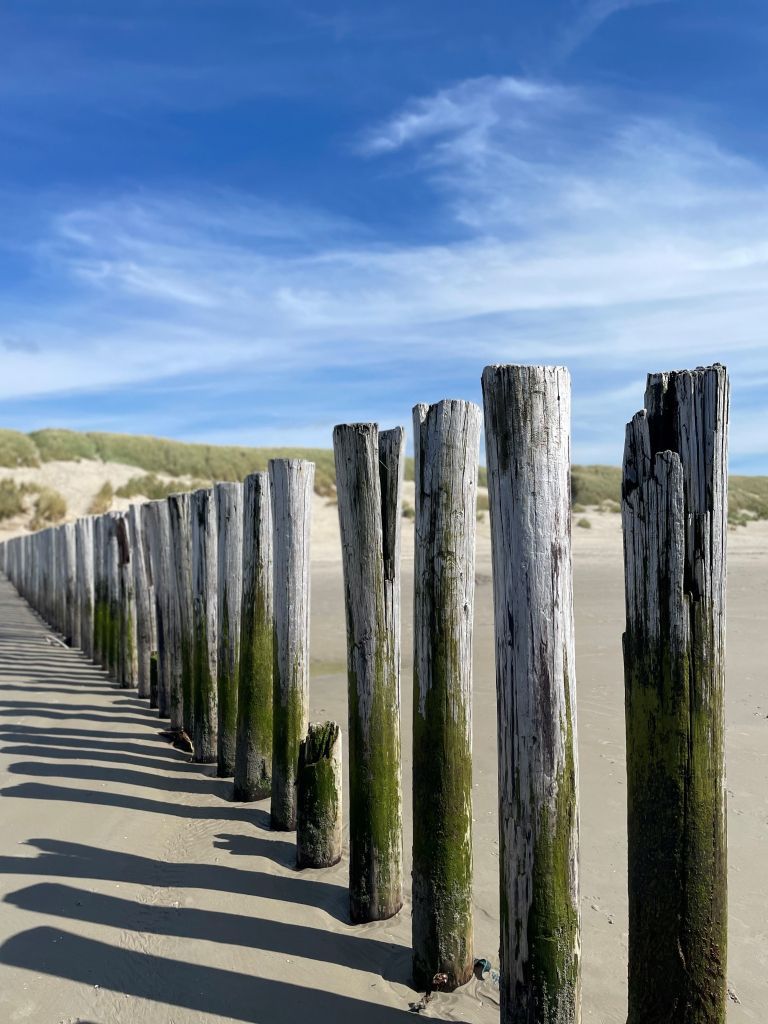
[84, 582]
[181, 557]
[369, 470]
[527, 430]
[446, 446]
[291, 483]
[142, 599]
[229, 523]
[674, 513]
[204, 601]
[253, 755]
[319, 798]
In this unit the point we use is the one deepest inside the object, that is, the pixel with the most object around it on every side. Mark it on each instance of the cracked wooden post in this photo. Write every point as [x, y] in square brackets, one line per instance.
[204, 579]
[291, 483]
[142, 598]
[113, 597]
[127, 665]
[229, 520]
[369, 473]
[318, 797]
[253, 754]
[527, 431]
[99, 588]
[70, 626]
[446, 442]
[84, 561]
[674, 513]
[149, 529]
[160, 542]
[181, 557]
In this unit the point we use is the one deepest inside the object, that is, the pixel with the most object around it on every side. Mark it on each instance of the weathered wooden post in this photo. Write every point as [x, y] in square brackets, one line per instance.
[446, 444]
[149, 530]
[253, 756]
[674, 512]
[84, 582]
[204, 715]
[113, 597]
[229, 521]
[71, 618]
[369, 473]
[291, 482]
[181, 557]
[527, 431]
[127, 659]
[99, 588]
[142, 599]
[318, 797]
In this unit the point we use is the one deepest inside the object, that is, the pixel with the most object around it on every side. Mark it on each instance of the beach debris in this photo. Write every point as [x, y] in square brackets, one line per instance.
[439, 981]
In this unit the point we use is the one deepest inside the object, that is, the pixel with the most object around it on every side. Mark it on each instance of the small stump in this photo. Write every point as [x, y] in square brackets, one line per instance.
[318, 798]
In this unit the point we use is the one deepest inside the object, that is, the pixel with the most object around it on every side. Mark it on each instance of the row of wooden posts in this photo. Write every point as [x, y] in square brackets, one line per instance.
[202, 601]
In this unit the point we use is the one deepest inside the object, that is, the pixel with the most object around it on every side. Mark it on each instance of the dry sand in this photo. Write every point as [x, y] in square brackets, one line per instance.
[135, 891]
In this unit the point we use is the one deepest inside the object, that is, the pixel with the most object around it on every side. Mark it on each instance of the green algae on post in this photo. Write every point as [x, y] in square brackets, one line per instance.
[674, 514]
[253, 753]
[318, 798]
[291, 483]
[204, 649]
[229, 522]
[446, 447]
[369, 474]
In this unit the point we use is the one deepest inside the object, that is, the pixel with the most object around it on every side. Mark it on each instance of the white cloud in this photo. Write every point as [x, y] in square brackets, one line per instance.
[573, 233]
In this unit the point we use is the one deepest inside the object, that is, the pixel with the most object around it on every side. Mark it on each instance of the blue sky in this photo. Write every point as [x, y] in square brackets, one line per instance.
[243, 221]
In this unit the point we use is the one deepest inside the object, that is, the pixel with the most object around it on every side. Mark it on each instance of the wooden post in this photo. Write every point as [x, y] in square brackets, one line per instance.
[204, 716]
[113, 597]
[71, 618]
[84, 582]
[149, 530]
[127, 663]
[527, 431]
[291, 483]
[99, 588]
[142, 599]
[229, 521]
[318, 798]
[369, 472]
[446, 442]
[253, 756]
[674, 512]
[181, 557]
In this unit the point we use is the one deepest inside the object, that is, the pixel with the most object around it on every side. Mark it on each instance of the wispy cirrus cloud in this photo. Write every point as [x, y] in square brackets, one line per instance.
[573, 233]
[588, 16]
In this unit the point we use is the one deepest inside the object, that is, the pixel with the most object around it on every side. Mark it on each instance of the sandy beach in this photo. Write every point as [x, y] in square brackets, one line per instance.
[135, 890]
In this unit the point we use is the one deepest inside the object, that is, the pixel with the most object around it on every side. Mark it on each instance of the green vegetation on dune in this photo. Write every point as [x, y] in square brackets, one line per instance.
[102, 500]
[17, 449]
[194, 465]
[50, 507]
[11, 503]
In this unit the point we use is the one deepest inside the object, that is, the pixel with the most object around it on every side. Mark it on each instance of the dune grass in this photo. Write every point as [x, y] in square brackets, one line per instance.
[11, 499]
[17, 449]
[102, 500]
[50, 507]
[591, 486]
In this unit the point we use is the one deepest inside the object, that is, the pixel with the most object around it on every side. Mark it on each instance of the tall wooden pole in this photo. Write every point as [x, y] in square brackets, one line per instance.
[149, 529]
[127, 659]
[229, 520]
[291, 481]
[674, 512]
[142, 599]
[253, 755]
[204, 579]
[113, 597]
[84, 560]
[527, 431]
[181, 558]
[369, 472]
[446, 442]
